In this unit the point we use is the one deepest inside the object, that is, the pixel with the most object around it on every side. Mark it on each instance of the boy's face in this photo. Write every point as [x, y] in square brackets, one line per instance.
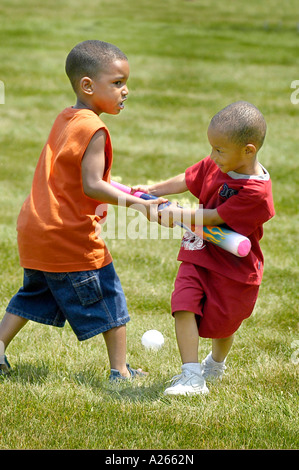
[229, 156]
[108, 91]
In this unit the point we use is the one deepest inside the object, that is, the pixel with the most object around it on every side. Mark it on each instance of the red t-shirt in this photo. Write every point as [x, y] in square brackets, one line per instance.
[245, 203]
[57, 223]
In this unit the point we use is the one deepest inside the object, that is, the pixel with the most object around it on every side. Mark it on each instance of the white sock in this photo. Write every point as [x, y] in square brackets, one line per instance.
[209, 359]
[194, 367]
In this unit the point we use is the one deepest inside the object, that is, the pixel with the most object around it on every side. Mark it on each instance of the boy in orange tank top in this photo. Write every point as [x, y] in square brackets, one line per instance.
[68, 270]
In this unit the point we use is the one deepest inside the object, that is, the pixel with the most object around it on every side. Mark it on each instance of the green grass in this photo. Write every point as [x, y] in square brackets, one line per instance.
[188, 59]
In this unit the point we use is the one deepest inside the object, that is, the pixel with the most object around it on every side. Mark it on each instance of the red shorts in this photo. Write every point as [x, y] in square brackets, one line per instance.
[219, 303]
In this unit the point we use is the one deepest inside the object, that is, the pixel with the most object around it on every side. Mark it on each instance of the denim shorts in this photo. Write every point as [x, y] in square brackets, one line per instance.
[91, 301]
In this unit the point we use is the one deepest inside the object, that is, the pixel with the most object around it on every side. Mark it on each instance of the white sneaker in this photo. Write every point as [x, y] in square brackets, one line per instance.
[187, 383]
[212, 370]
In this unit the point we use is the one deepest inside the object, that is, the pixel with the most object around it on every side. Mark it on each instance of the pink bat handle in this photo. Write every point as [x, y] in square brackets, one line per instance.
[125, 189]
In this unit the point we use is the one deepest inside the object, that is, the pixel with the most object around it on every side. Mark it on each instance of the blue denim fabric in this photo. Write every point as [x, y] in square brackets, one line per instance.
[91, 301]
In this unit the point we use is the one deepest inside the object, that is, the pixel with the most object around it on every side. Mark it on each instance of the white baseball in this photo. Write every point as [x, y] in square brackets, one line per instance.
[152, 339]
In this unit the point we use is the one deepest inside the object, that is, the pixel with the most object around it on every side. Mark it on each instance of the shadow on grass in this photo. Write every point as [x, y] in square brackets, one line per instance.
[135, 393]
[136, 390]
[28, 373]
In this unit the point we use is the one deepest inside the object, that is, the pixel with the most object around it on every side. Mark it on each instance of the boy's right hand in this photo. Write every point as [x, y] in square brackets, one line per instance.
[152, 209]
[169, 215]
[154, 213]
[152, 205]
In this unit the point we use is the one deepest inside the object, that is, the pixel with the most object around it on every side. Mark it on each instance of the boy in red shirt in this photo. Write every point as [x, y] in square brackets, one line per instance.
[68, 270]
[215, 290]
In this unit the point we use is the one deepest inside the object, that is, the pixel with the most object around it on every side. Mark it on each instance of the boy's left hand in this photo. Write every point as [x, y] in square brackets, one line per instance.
[170, 215]
[143, 188]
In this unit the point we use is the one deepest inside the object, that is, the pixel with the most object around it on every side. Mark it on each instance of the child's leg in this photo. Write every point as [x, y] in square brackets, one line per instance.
[9, 327]
[221, 348]
[213, 366]
[190, 381]
[116, 342]
[187, 336]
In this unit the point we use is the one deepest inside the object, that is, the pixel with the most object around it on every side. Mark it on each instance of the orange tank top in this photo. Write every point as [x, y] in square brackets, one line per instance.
[57, 222]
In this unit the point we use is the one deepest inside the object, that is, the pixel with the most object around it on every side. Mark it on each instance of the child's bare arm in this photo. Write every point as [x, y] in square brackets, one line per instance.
[175, 185]
[194, 217]
[92, 171]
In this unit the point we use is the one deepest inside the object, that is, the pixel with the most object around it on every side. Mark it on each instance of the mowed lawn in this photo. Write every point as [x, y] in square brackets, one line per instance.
[188, 60]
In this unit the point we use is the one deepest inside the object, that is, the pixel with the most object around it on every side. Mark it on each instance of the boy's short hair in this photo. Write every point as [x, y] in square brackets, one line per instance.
[88, 58]
[242, 122]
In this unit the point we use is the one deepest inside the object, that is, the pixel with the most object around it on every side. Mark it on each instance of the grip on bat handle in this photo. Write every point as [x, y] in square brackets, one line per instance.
[144, 195]
[150, 196]
[163, 205]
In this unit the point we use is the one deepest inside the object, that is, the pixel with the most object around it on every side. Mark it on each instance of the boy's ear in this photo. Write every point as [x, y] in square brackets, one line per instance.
[250, 150]
[86, 85]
